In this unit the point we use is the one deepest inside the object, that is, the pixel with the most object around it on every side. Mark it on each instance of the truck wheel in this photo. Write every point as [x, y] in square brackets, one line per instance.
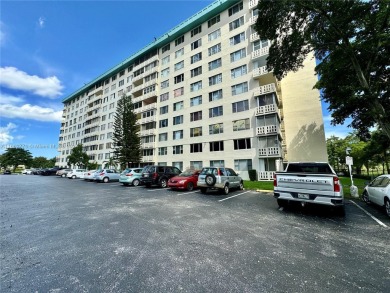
[210, 179]
[282, 203]
[203, 190]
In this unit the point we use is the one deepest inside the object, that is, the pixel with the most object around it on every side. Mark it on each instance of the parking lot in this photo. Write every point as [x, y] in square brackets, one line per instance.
[62, 235]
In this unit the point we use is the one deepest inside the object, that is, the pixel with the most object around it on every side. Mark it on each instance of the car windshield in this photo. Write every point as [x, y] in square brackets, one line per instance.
[187, 173]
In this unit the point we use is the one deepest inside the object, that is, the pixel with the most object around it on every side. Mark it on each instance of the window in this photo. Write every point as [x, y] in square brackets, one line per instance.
[196, 44]
[216, 146]
[197, 57]
[179, 53]
[179, 78]
[214, 49]
[196, 31]
[242, 124]
[236, 23]
[166, 48]
[178, 134]
[196, 71]
[163, 123]
[216, 128]
[178, 106]
[196, 101]
[217, 163]
[113, 77]
[196, 116]
[242, 165]
[113, 86]
[237, 39]
[239, 88]
[165, 84]
[121, 82]
[260, 44]
[196, 86]
[215, 64]
[162, 151]
[163, 136]
[235, 56]
[214, 35]
[179, 40]
[239, 71]
[196, 165]
[164, 97]
[242, 144]
[216, 95]
[178, 120]
[164, 109]
[240, 106]
[196, 148]
[165, 60]
[215, 79]
[177, 149]
[196, 131]
[236, 8]
[216, 111]
[178, 92]
[213, 20]
[179, 65]
[165, 72]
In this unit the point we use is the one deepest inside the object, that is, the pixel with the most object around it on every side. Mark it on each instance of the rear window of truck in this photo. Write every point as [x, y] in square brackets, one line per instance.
[310, 168]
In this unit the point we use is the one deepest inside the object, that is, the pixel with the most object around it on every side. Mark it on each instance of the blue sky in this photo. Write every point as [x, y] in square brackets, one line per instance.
[49, 49]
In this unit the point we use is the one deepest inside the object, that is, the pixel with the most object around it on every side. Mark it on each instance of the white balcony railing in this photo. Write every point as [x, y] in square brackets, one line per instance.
[254, 37]
[265, 89]
[146, 120]
[265, 130]
[253, 3]
[147, 145]
[260, 52]
[270, 152]
[260, 71]
[267, 109]
[146, 108]
[253, 19]
[147, 132]
[266, 175]
[147, 158]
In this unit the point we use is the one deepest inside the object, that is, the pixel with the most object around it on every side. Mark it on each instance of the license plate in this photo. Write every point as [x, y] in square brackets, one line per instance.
[303, 196]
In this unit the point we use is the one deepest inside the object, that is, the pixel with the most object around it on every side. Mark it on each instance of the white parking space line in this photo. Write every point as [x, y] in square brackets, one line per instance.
[375, 219]
[161, 189]
[186, 192]
[233, 196]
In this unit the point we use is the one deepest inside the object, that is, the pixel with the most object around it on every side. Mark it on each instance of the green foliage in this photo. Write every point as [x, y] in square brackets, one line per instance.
[93, 166]
[259, 185]
[42, 162]
[78, 157]
[252, 175]
[350, 38]
[127, 148]
[16, 156]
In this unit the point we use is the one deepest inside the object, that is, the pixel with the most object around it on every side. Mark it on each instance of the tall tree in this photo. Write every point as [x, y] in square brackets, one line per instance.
[78, 157]
[16, 156]
[126, 139]
[41, 162]
[351, 40]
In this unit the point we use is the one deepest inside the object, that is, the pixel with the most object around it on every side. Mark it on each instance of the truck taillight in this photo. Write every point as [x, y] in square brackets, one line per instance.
[275, 182]
[336, 184]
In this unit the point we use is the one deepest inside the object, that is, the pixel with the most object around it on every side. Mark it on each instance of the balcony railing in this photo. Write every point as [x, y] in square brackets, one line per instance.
[260, 52]
[147, 132]
[146, 62]
[260, 71]
[147, 158]
[253, 3]
[146, 120]
[265, 89]
[267, 109]
[254, 37]
[270, 152]
[266, 175]
[147, 145]
[253, 19]
[266, 130]
[146, 108]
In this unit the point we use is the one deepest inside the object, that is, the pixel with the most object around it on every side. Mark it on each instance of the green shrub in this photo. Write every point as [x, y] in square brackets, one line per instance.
[252, 175]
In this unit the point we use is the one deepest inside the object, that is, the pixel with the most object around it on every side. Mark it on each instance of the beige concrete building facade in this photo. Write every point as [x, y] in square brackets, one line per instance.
[203, 97]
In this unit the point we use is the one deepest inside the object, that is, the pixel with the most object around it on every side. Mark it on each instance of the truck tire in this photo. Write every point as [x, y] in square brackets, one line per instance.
[282, 203]
[210, 180]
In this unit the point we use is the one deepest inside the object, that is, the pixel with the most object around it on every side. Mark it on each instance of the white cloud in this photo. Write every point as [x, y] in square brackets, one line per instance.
[41, 22]
[5, 133]
[32, 112]
[13, 78]
[9, 99]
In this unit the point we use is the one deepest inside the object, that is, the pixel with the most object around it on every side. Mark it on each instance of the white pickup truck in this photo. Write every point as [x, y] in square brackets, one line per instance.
[311, 182]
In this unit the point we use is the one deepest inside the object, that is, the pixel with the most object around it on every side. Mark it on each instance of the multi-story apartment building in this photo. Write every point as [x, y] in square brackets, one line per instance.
[203, 97]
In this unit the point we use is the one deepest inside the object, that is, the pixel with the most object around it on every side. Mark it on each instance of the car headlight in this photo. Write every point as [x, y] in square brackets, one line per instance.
[182, 181]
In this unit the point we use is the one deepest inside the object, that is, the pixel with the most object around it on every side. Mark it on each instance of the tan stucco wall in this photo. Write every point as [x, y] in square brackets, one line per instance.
[303, 121]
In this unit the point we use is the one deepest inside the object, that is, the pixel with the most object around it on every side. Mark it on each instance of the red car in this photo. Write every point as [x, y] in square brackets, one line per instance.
[186, 180]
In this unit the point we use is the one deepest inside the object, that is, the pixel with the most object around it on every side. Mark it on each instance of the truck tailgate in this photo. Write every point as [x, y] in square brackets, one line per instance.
[307, 182]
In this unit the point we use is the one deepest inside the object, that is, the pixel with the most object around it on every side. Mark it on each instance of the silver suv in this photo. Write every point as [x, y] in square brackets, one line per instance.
[219, 178]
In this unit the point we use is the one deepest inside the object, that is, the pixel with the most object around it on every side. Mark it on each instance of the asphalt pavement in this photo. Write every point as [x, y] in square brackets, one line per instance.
[68, 235]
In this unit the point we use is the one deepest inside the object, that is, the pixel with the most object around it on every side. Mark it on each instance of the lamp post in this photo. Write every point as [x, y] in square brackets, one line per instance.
[349, 162]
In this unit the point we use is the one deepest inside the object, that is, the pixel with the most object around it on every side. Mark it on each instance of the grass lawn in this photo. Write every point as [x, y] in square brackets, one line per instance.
[345, 181]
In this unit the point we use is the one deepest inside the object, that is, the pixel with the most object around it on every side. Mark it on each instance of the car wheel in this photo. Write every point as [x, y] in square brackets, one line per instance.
[190, 186]
[106, 179]
[203, 190]
[225, 189]
[387, 207]
[74, 177]
[365, 197]
[135, 182]
[282, 203]
[210, 179]
[63, 175]
[163, 183]
[241, 187]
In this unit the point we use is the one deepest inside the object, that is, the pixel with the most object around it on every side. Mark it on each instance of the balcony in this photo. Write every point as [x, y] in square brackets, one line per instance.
[146, 120]
[260, 52]
[270, 152]
[260, 71]
[267, 109]
[267, 130]
[254, 37]
[253, 3]
[146, 108]
[266, 175]
[253, 19]
[146, 62]
[265, 89]
[147, 132]
[147, 145]
[147, 159]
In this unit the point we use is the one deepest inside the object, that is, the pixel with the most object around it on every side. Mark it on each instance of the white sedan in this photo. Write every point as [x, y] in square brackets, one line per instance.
[76, 173]
[378, 192]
